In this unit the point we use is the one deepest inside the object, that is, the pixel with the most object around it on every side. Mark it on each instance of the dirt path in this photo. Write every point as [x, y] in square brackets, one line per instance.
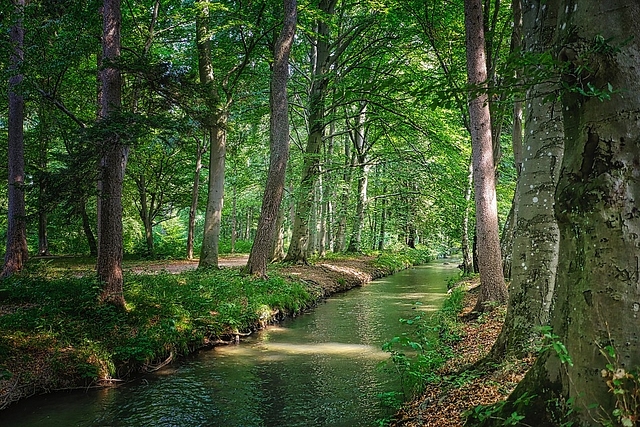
[178, 266]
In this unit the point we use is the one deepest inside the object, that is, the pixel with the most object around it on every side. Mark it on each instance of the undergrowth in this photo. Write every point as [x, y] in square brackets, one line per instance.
[417, 355]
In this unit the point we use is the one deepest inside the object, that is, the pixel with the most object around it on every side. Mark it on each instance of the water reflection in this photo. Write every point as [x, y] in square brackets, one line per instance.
[319, 369]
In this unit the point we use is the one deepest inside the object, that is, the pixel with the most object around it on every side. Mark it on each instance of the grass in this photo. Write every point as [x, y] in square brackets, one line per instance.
[80, 339]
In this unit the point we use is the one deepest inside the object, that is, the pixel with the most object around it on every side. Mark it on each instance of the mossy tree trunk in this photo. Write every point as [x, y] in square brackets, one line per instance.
[598, 280]
[536, 235]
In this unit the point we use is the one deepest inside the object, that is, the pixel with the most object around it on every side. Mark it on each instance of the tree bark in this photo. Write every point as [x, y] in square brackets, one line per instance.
[536, 236]
[297, 251]
[16, 253]
[279, 139]
[86, 227]
[359, 139]
[215, 124]
[110, 250]
[193, 209]
[595, 314]
[467, 249]
[492, 288]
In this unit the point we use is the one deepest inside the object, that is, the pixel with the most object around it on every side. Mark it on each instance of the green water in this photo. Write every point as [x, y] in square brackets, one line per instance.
[319, 369]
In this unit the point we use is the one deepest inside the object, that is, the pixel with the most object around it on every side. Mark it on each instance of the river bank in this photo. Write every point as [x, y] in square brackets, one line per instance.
[53, 335]
[460, 388]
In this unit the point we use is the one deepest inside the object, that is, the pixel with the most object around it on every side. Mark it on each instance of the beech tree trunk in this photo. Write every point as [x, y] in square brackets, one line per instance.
[492, 288]
[215, 124]
[595, 314]
[279, 139]
[536, 235]
[16, 253]
[110, 249]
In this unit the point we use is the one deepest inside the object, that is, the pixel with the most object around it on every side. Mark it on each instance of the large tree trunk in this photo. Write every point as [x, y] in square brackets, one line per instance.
[215, 124]
[279, 138]
[596, 310]
[508, 232]
[213, 214]
[304, 201]
[535, 246]
[16, 253]
[113, 163]
[492, 288]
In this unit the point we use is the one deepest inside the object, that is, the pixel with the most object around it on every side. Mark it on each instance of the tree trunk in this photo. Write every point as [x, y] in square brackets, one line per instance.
[535, 246]
[492, 288]
[113, 163]
[213, 215]
[86, 227]
[596, 310]
[279, 138]
[216, 124]
[277, 251]
[297, 251]
[506, 241]
[467, 250]
[193, 209]
[359, 139]
[343, 206]
[16, 254]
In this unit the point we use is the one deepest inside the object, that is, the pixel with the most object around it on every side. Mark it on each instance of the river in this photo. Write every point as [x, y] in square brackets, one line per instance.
[319, 369]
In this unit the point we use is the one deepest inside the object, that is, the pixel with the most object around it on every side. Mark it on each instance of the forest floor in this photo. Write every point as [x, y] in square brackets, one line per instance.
[462, 387]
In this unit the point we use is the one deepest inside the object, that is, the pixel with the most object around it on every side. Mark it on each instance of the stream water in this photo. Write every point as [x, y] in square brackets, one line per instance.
[319, 369]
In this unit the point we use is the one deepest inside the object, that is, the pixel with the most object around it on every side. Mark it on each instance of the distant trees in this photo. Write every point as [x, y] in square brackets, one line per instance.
[378, 155]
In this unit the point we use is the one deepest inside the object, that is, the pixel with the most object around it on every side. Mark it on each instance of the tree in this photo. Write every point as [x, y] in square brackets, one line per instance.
[113, 163]
[595, 313]
[279, 142]
[536, 236]
[17, 253]
[490, 261]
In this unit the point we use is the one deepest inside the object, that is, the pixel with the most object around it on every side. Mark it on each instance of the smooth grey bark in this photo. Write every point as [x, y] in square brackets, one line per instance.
[16, 250]
[598, 280]
[343, 202]
[215, 124]
[536, 234]
[492, 287]
[113, 163]
[279, 142]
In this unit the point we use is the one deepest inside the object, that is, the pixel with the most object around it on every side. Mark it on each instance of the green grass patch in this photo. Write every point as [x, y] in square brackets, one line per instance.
[59, 323]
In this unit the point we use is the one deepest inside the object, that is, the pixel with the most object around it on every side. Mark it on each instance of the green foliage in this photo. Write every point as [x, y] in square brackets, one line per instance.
[624, 384]
[165, 314]
[416, 355]
[551, 341]
[396, 259]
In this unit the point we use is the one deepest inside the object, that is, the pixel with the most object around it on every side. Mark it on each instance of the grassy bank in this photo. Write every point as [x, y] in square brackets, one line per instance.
[54, 334]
